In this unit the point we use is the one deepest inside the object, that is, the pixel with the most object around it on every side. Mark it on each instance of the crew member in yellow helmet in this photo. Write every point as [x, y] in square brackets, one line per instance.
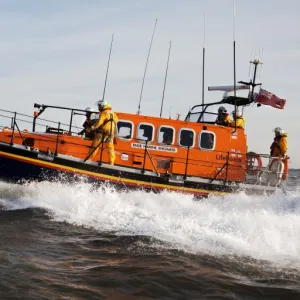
[280, 144]
[238, 119]
[104, 129]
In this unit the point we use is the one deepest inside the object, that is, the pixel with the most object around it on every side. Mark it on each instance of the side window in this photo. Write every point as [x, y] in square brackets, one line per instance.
[207, 140]
[145, 132]
[166, 135]
[124, 129]
[186, 138]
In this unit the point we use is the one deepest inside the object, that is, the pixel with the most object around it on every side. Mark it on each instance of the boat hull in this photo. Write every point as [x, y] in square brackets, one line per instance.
[22, 164]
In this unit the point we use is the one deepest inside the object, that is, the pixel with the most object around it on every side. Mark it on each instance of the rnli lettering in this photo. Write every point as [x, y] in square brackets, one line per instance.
[154, 147]
[225, 157]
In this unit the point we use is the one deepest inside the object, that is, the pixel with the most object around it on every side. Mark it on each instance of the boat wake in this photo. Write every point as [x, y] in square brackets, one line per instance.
[260, 227]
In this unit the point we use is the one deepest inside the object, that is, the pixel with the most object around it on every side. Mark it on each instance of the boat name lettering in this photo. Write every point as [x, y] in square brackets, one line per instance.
[154, 147]
[225, 157]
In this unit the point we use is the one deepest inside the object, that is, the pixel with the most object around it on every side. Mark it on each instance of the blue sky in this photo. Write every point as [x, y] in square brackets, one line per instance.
[55, 52]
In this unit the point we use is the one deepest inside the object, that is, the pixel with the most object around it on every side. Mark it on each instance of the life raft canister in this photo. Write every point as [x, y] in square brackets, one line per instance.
[254, 163]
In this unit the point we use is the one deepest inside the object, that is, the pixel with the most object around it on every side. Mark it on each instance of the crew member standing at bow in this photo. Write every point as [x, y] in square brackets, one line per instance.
[104, 131]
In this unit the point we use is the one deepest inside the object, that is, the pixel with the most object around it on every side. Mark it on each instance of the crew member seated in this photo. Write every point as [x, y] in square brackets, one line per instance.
[239, 120]
[167, 137]
[223, 117]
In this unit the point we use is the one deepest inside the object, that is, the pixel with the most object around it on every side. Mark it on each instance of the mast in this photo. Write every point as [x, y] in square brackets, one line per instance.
[163, 95]
[203, 55]
[139, 107]
[111, 43]
[234, 65]
[255, 62]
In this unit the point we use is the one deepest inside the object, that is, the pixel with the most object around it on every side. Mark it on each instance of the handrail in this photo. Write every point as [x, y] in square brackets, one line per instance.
[30, 122]
[186, 162]
[144, 160]
[95, 148]
[13, 130]
[226, 164]
[150, 158]
[226, 176]
[102, 146]
[24, 141]
[15, 124]
[57, 137]
[42, 108]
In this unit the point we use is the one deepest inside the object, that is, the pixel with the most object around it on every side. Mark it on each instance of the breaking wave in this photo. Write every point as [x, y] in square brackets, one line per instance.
[262, 227]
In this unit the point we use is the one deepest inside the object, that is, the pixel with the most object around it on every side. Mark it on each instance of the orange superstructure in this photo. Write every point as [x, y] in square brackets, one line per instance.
[171, 146]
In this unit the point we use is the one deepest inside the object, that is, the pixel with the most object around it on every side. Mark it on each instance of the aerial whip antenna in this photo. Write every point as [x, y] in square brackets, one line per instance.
[251, 57]
[163, 95]
[170, 115]
[262, 57]
[234, 67]
[139, 107]
[203, 55]
[111, 43]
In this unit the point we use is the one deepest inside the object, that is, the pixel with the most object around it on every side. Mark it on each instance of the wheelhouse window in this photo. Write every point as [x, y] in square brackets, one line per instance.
[125, 129]
[166, 135]
[207, 140]
[145, 132]
[186, 137]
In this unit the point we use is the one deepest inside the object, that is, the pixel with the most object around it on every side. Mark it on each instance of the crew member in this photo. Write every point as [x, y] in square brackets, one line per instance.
[223, 117]
[104, 130]
[239, 120]
[87, 124]
[280, 144]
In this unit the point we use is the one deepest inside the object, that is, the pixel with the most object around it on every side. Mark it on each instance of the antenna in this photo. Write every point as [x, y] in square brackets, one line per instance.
[139, 107]
[251, 57]
[170, 115]
[234, 67]
[203, 53]
[255, 62]
[262, 57]
[111, 43]
[163, 95]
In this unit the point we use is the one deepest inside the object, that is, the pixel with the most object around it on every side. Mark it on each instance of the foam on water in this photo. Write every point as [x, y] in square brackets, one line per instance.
[263, 227]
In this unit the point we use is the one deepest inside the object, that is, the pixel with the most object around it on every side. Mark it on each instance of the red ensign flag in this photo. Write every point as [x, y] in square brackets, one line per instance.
[266, 98]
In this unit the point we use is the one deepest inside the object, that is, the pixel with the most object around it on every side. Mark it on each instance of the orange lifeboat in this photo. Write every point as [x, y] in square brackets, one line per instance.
[196, 155]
